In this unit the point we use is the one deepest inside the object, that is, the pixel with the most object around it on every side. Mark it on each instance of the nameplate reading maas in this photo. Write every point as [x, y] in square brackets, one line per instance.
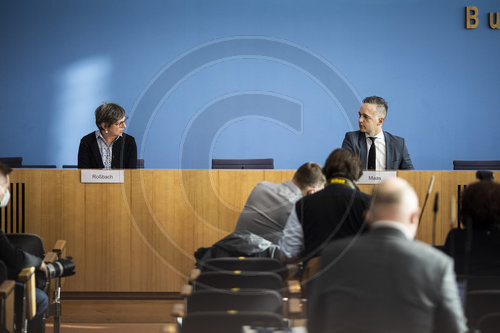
[102, 176]
[375, 177]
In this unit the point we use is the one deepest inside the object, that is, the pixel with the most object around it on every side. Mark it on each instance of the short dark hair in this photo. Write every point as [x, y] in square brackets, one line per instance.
[381, 104]
[4, 170]
[481, 203]
[309, 174]
[108, 113]
[344, 163]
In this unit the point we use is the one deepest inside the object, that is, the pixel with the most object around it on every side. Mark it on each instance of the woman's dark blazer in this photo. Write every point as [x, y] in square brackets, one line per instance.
[124, 153]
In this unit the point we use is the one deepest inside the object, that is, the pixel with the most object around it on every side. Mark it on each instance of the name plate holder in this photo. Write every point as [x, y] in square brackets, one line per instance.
[375, 177]
[102, 176]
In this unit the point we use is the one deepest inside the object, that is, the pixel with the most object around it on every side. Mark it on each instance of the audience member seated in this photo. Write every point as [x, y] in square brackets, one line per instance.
[385, 281]
[108, 147]
[16, 259]
[269, 205]
[481, 215]
[336, 212]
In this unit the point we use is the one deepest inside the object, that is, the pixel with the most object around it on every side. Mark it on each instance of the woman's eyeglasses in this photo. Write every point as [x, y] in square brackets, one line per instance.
[121, 123]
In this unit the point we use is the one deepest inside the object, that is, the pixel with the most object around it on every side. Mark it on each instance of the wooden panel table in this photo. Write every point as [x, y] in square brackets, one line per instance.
[140, 236]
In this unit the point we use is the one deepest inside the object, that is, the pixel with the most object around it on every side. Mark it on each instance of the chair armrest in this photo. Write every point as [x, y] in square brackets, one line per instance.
[294, 306]
[169, 328]
[301, 322]
[50, 257]
[294, 288]
[186, 290]
[27, 276]
[178, 310]
[6, 287]
[7, 296]
[59, 247]
[194, 274]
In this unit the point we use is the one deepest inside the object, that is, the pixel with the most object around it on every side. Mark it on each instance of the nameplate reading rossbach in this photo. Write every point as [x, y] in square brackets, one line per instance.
[102, 176]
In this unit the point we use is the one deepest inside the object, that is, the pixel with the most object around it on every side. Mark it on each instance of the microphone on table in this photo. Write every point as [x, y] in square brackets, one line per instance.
[429, 190]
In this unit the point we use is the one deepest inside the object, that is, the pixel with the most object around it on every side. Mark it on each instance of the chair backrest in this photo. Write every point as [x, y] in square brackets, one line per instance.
[476, 165]
[140, 163]
[227, 300]
[13, 162]
[481, 282]
[229, 322]
[3, 271]
[245, 264]
[489, 323]
[480, 303]
[238, 280]
[261, 163]
[30, 243]
[39, 166]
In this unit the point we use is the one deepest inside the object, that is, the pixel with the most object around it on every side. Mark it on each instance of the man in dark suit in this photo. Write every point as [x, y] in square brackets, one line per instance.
[384, 281]
[378, 150]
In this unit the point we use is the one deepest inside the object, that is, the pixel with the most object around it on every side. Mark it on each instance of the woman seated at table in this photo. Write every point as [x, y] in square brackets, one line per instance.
[108, 147]
[476, 249]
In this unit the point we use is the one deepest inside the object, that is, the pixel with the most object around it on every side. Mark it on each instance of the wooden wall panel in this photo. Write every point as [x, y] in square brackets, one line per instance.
[107, 236]
[72, 226]
[140, 236]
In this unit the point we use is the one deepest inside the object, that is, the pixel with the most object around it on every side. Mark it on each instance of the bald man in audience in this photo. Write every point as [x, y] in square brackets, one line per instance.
[384, 280]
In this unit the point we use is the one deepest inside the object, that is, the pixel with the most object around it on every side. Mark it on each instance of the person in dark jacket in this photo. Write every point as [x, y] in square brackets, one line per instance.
[108, 147]
[476, 249]
[333, 213]
[15, 259]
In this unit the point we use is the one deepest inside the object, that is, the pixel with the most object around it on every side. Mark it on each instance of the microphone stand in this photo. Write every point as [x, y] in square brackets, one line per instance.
[429, 190]
[435, 210]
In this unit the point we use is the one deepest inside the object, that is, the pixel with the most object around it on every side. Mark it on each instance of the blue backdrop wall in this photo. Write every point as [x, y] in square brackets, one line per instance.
[248, 79]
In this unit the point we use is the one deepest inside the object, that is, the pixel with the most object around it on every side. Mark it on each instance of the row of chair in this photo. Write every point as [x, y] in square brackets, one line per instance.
[266, 163]
[17, 162]
[231, 290]
[225, 294]
[32, 244]
[481, 298]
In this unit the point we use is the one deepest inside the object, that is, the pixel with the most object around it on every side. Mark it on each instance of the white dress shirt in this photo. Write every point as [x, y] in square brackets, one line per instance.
[292, 242]
[105, 150]
[380, 162]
